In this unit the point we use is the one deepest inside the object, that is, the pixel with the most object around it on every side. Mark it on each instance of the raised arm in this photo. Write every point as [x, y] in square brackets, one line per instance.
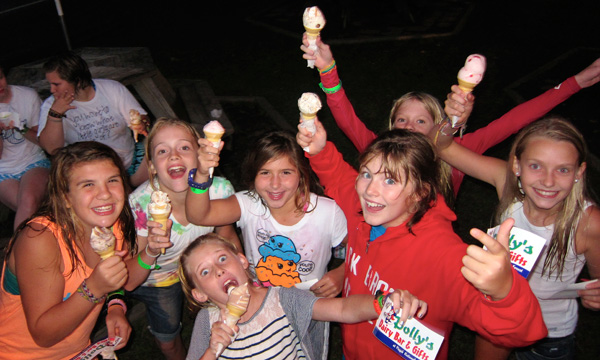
[485, 168]
[52, 136]
[339, 104]
[199, 209]
[527, 112]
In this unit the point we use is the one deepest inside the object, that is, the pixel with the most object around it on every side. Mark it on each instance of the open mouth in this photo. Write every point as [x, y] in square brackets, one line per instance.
[372, 206]
[546, 193]
[176, 171]
[276, 195]
[230, 285]
[104, 210]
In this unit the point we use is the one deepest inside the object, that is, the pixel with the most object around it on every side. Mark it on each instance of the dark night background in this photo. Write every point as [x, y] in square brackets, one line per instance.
[383, 50]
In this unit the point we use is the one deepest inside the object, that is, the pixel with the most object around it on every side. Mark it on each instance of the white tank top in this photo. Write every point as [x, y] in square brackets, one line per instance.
[560, 315]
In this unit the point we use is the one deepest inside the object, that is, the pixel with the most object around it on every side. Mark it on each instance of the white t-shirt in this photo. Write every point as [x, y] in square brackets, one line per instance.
[181, 236]
[18, 153]
[283, 255]
[105, 118]
[560, 315]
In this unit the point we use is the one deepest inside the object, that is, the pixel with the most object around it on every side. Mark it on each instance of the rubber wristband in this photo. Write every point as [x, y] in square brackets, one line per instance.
[118, 302]
[146, 266]
[379, 300]
[328, 69]
[197, 191]
[332, 90]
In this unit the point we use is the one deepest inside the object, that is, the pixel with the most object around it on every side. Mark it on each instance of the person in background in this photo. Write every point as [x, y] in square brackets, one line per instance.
[23, 163]
[85, 109]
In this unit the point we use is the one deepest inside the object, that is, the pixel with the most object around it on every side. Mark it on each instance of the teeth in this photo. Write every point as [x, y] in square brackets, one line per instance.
[176, 169]
[371, 204]
[546, 193]
[103, 208]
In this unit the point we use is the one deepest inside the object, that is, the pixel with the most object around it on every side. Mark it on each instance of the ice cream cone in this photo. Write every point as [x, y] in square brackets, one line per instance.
[466, 86]
[102, 240]
[239, 298]
[107, 253]
[160, 209]
[135, 119]
[312, 34]
[213, 131]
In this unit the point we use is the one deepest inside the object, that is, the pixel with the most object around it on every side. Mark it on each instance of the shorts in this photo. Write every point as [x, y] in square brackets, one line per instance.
[163, 309]
[562, 348]
[138, 157]
[44, 163]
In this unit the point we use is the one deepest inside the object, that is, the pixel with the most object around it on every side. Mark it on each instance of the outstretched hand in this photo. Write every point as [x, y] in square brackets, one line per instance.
[590, 75]
[313, 143]
[459, 104]
[323, 57]
[490, 270]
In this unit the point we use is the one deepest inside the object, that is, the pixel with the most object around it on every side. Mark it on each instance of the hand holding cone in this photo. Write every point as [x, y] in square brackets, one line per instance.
[160, 209]
[313, 21]
[213, 131]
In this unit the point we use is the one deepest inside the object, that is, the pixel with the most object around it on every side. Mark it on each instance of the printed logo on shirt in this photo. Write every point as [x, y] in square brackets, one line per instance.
[278, 263]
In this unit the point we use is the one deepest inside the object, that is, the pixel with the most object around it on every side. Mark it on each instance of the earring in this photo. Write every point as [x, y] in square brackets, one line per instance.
[576, 180]
[518, 173]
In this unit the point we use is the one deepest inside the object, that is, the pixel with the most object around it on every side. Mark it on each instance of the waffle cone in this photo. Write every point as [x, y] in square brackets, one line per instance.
[466, 86]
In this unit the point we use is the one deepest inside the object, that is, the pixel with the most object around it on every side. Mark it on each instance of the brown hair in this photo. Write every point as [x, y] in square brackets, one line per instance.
[409, 155]
[54, 207]
[275, 144]
[71, 68]
[558, 129]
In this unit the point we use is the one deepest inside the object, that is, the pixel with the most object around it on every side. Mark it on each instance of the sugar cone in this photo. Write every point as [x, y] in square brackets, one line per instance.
[312, 33]
[215, 139]
[466, 86]
[106, 253]
[162, 219]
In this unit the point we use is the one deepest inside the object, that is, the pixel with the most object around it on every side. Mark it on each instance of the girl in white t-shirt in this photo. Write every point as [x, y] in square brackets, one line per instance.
[288, 231]
[170, 153]
[23, 164]
[543, 187]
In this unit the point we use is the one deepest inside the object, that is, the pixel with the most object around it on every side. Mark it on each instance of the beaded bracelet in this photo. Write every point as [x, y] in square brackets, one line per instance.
[87, 294]
[332, 90]
[200, 186]
[328, 69]
[118, 302]
[146, 266]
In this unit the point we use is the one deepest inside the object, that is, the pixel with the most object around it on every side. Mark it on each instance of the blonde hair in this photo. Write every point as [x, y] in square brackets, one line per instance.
[558, 129]
[160, 124]
[187, 277]
[435, 109]
[408, 156]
